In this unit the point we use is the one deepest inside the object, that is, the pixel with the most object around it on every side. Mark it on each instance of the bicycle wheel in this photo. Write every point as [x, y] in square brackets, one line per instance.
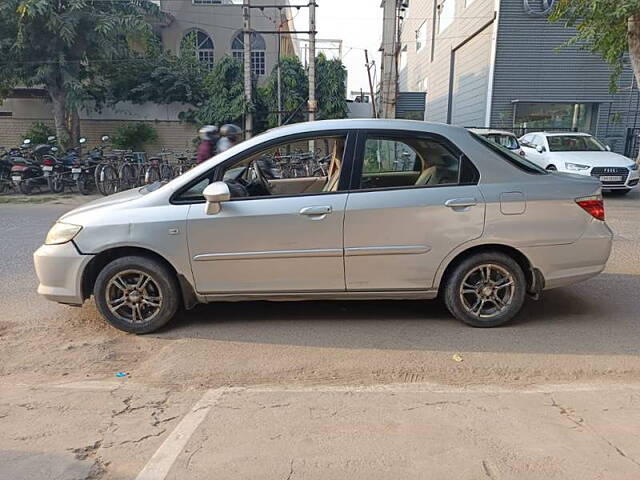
[166, 172]
[109, 180]
[152, 174]
[127, 176]
[97, 174]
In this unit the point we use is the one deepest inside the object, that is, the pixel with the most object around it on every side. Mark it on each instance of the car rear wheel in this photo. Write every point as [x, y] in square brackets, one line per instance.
[485, 290]
[136, 294]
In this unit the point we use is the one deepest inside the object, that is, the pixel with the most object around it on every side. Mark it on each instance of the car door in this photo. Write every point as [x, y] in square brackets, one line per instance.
[396, 237]
[289, 242]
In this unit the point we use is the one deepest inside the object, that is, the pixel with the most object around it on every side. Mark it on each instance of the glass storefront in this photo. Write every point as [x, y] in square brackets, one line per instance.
[571, 116]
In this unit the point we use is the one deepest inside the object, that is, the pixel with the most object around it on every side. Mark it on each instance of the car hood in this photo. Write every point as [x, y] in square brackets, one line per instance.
[109, 201]
[593, 159]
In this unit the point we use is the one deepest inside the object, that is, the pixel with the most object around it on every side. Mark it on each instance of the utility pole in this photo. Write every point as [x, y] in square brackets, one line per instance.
[373, 98]
[313, 104]
[279, 76]
[248, 84]
[389, 73]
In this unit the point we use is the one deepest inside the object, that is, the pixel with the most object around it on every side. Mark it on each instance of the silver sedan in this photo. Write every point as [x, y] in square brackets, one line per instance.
[344, 209]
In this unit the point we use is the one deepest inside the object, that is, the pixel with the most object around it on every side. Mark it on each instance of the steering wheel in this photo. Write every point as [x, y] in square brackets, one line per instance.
[261, 177]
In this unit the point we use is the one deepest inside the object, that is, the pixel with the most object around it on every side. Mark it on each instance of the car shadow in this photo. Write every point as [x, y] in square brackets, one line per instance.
[600, 316]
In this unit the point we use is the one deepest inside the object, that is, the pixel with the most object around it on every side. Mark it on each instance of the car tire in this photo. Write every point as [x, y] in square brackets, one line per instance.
[470, 276]
[25, 187]
[130, 308]
[552, 168]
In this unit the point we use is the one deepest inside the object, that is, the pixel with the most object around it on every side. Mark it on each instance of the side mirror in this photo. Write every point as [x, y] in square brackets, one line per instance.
[26, 141]
[540, 149]
[54, 149]
[215, 194]
[82, 140]
[607, 148]
[105, 138]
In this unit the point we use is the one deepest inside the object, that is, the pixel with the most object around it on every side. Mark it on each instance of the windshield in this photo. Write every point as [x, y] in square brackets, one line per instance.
[505, 140]
[514, 159]
[574, 143]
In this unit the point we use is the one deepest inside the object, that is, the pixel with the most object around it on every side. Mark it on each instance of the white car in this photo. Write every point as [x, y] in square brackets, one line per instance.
[501, 137]
[583, 154]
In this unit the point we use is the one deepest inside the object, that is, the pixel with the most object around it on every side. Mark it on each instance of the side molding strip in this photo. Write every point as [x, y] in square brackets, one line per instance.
[320, 252]
[391, 250]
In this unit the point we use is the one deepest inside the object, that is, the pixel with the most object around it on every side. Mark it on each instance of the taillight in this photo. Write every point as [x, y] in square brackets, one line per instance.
[49, 162]
[594, 206]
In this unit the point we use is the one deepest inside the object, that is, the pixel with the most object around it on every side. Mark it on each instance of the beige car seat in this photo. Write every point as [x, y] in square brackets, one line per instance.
[335, 166]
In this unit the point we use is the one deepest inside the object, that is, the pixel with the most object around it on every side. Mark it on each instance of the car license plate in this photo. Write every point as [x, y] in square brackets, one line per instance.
[611, 178]
[16, 179]
[47, 169]
[76, 170]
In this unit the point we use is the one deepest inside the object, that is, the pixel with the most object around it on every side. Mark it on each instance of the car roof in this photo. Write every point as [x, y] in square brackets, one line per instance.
[491, 131]
[561, 134]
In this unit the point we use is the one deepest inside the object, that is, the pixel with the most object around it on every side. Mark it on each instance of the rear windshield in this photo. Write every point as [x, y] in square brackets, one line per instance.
[514, 159]
[508, 141]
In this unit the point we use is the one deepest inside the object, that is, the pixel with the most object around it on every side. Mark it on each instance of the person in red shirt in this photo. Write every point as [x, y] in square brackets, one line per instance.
[208, 139]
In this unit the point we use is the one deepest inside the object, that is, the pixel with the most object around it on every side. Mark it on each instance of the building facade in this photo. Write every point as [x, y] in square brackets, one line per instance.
[501, 63]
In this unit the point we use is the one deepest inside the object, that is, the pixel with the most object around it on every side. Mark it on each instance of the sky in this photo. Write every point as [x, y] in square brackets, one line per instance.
[358, 23]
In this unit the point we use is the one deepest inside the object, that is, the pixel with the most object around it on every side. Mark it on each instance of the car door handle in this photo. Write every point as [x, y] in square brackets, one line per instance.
[315, 211]
[460, 202]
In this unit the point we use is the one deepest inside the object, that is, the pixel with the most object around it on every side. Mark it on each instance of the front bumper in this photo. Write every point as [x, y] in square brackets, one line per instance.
[629, 178]
[59, 269]
[563, 265]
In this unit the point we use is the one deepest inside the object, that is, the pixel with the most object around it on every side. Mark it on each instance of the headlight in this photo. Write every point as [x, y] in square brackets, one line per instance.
[62, 233]
[576, 166]
[633, 166]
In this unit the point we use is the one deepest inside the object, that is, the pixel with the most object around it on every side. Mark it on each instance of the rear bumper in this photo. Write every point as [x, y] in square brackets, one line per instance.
[59, 269]
[563, 265]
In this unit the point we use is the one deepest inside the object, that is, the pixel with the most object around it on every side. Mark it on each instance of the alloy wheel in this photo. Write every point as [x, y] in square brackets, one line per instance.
[487, 291]
[133, 296]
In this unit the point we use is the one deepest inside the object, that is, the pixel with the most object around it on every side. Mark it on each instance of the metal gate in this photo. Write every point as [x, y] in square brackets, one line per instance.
[632, 145]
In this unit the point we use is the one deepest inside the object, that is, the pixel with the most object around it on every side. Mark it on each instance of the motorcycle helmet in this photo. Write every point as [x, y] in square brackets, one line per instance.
[230, 131]
[208, 132]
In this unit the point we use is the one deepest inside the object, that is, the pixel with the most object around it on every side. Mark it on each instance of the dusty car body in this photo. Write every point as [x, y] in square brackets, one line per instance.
[404, 210]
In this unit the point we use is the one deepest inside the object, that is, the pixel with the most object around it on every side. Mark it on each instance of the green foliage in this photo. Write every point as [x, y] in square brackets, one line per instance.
[62, 44]
[133, 136]
[39, 133]
[295, 92]
[603, 28]
[157, 75]
[223, 95]
[331, 88]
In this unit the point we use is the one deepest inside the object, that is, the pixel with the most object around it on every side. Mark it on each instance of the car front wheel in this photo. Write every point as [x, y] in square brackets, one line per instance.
[485, 290]
[136, 294]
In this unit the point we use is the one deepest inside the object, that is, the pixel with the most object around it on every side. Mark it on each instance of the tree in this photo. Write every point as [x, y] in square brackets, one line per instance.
[223, 95]
[295, 92]
[331, 88]
[610, 28]
[59, 44]
[156, 75]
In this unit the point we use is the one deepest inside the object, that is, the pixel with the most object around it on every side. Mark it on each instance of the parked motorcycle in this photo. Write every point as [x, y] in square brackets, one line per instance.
[84, 169]
[26, 171]
[5, 170]
[62, 175]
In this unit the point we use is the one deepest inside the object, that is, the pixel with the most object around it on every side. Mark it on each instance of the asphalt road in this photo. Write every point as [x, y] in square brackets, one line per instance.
[57, 367]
